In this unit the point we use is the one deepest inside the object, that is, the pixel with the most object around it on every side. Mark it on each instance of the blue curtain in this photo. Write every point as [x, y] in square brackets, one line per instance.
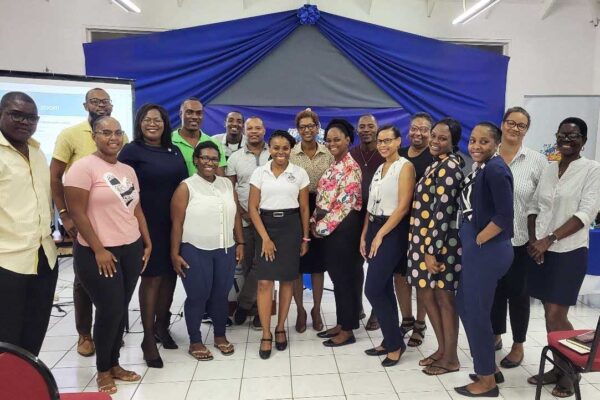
[421, 74]
[424, 74]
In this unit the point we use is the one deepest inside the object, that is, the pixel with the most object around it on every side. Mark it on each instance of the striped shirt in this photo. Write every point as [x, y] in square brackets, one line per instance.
[527, 167]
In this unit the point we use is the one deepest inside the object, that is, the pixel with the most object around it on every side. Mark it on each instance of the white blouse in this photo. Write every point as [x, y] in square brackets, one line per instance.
[279, 193]
[210, 214]
[576, 193]
[383, 192]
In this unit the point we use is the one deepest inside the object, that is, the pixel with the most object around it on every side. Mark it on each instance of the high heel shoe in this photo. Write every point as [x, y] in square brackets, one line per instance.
[264, 354]
[301, 322]
[281, 346]
[166, 340]
[156, 363]
[316, 320]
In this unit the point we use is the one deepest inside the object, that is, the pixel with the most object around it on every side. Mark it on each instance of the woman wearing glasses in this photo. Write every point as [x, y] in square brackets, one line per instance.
[526, 166]
[113, 244]
[383, 241]
[205, 257]
[315, 159]
[564, 205]
[160, 168]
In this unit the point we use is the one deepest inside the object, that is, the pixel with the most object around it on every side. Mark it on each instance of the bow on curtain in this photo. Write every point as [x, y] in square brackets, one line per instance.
[201, 61]
[424, 74]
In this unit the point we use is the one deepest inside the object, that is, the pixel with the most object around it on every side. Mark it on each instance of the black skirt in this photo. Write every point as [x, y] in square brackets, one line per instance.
[286, 234]
[312, 262]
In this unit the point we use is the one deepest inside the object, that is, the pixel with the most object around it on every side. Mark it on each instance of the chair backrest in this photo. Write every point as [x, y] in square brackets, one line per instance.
[23, 376]
[594, 354]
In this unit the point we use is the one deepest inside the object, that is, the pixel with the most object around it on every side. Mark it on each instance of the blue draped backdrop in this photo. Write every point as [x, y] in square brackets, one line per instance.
[420, 73]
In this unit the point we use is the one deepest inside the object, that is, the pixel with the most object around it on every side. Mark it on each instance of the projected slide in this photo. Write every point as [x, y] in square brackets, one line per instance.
[60, 101]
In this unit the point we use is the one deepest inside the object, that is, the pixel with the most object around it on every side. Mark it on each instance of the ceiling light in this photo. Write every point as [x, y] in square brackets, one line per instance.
[127, 5]
[474, 11]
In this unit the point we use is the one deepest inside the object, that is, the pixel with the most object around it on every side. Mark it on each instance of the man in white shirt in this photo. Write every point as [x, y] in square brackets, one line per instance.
[240, 167]
[233, 139]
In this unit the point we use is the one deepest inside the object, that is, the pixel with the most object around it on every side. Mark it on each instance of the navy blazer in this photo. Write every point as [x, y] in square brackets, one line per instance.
[492, 197]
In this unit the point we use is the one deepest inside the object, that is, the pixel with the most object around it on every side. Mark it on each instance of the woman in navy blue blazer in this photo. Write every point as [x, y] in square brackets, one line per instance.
[486, 227]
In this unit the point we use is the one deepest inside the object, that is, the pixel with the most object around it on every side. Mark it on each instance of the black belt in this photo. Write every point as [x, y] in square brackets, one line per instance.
[279, 213]
[380, 219]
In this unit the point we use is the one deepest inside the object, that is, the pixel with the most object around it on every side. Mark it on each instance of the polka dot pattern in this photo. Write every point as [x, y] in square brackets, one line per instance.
[433, 226]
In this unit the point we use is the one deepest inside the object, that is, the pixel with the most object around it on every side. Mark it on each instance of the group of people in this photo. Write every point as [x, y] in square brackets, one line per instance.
[473, 243]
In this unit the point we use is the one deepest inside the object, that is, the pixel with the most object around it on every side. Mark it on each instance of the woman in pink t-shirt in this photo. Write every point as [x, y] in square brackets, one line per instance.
[113, 244]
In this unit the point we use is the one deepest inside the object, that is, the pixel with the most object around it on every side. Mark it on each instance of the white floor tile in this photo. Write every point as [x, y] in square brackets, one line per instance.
[215, 390]
[414, 381]
[313, 365]
[161, 391]
[73, 377]
[388, 396]
[367, 383]
[60, 343]
[317, 385]
[173, 372]
[358, 363]
[259, 368]
[51, 358]
[217, 369]
[442, 395]
[266, 388]
[309, 348]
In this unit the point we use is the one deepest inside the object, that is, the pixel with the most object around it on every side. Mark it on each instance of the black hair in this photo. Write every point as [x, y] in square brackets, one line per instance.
[493, 128]
[234, 112]
[96, 120]
[11, 97]
[455, 131]
[165, 138]
[191, 99]
[208, 144]
[283, 134]
[87, 95]
[577, 121]
[343, 125]
[392, 128]
[423, 115]
[519, 110]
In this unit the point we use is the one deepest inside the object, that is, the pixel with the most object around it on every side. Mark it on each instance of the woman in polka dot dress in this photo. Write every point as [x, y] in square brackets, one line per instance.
[434, 250]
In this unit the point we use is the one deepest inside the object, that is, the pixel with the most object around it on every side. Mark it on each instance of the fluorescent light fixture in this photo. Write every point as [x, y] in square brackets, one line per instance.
[474, 11]
[127, 5]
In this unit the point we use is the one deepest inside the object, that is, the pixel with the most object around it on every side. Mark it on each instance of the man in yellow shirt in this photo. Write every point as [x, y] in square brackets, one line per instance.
[28, 268]
[72, 144]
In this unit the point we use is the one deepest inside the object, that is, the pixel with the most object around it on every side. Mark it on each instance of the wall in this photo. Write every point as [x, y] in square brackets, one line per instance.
[557, 55]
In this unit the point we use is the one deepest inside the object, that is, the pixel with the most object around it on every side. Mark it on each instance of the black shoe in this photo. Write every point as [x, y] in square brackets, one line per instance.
[498, 345]
[498, 377]
[156, 363]
[281, 346]
[240, 316]
[264, 354]
[506, 363]
[388, 362]
[256, 323]
[206, 319]
[229, 322]
[167, 341]
[375, 352]
[331, 343]
[326, 335]
[495, 392]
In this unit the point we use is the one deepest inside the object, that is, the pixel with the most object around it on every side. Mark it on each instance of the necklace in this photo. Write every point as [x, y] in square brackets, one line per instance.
[366, 162]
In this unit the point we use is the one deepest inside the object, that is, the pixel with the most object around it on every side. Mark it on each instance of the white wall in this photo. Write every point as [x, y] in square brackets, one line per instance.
[557, 55]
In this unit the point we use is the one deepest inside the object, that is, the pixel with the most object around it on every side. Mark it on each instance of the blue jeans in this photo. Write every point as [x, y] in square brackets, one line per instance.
[207, 283]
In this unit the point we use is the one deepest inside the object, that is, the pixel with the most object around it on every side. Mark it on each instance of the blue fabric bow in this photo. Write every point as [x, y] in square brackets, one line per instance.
[308, 14]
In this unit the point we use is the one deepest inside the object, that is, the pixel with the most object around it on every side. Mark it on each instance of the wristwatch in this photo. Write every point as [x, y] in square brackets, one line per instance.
[552, 237]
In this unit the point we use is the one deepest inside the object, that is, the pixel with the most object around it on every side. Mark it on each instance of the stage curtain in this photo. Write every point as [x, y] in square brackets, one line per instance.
[424, 74]
[200, 61]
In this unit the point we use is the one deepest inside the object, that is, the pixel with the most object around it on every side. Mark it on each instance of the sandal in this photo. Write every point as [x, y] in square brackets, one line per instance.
[439, 370]
[264, 354]
[226, 349]
[372, 323]
[407, 325]
[201, 355]
[301, 322]
[317, 321]
[418, 335]
[106, 384]
[117, 372]
[548, 378]
[427, 361]
[562, 392]
[281, 346]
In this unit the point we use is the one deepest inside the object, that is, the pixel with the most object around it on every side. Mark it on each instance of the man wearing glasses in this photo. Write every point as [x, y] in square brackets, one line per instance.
[72, 144]
[28, 269]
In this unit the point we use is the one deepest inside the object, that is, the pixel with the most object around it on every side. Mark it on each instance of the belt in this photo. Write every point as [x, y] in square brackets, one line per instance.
[279, 213]
[381, 219]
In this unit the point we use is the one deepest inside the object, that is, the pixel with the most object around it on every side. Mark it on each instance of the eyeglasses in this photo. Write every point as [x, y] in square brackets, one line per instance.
[97, 102]
[207, 159]
[18, 116]
[108, 133]
[155, 121]
[305, 127]
[520, 126]
[386, 142]
[568, 136]
[422, 129]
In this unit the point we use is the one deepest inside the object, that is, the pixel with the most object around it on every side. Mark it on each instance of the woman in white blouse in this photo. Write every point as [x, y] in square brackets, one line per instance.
[526, 166]
[204, 218]
[565, 203]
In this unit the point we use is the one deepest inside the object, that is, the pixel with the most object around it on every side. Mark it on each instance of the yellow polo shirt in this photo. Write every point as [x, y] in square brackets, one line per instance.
[75, 142]
[25, 208]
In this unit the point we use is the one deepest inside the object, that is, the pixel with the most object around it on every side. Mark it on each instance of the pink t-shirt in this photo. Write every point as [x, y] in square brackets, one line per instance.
[114, 194]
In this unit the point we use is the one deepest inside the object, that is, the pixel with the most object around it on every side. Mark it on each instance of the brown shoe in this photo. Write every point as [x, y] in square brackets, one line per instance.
[85, 346]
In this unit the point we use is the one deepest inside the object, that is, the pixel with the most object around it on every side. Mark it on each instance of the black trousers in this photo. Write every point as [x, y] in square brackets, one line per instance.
[110, 296]
[512, 289]
[83, 307]
[341, 250]
[26, 304]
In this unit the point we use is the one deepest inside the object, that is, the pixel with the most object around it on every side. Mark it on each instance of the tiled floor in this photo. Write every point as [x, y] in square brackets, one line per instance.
[306, 370]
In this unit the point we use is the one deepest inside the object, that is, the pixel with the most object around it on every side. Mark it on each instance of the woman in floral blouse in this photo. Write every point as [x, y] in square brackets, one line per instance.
[336, 219]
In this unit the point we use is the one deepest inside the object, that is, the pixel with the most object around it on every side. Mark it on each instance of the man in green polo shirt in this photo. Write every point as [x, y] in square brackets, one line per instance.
[189, 135]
